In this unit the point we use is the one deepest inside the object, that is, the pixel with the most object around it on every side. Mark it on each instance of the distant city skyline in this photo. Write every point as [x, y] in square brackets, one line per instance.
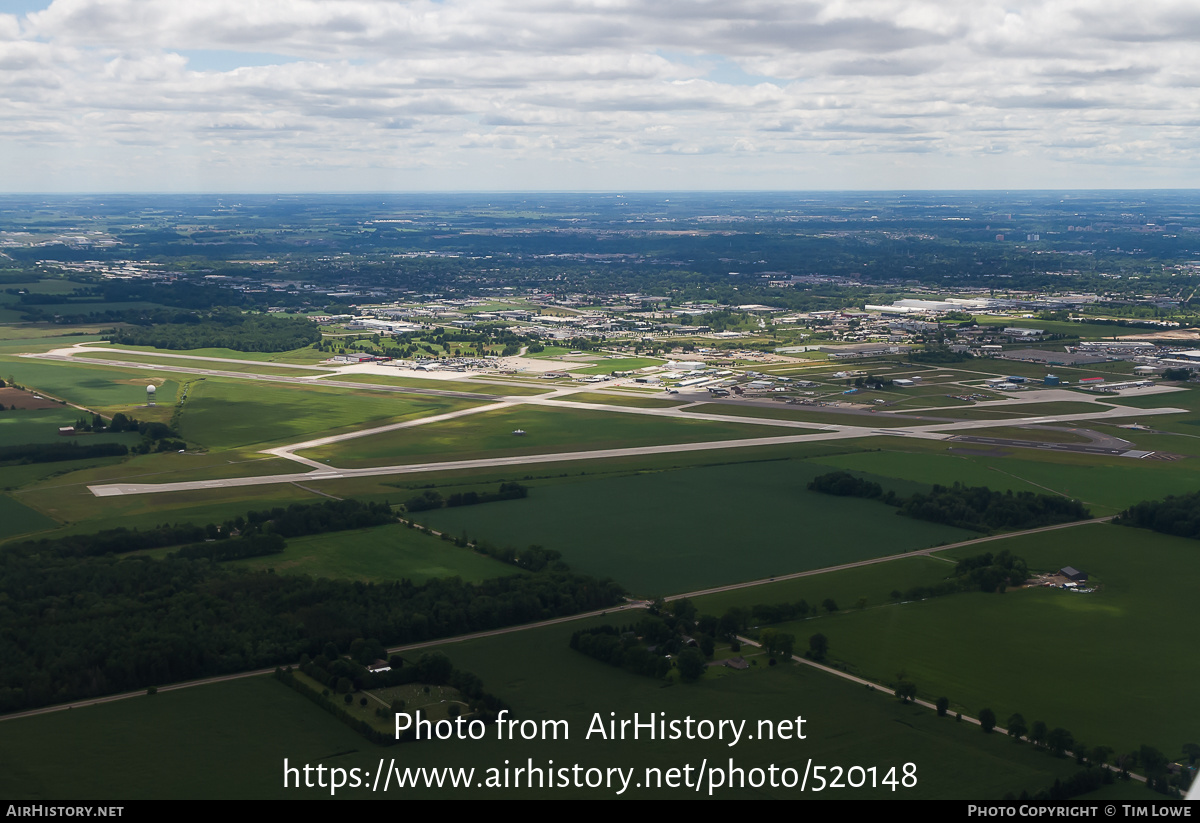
[545, 95]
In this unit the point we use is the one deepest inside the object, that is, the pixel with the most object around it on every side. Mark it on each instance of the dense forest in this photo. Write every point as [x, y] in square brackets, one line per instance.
[73, 627]
[223, 328]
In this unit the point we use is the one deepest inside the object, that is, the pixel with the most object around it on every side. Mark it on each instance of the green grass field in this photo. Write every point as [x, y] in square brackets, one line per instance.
[222, 414]
[611, 399]
[679, 531]
[17, 518]
[238, 733]
[1105, 665]
[811, 414]
[302, 356]
[253, 367]
[382, 553]
[1007, 412]
[607, 366]
[490, 434]
[95, 387]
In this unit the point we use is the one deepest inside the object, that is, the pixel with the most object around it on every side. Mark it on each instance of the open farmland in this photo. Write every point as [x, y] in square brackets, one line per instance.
[678, 531]
[1081, 661]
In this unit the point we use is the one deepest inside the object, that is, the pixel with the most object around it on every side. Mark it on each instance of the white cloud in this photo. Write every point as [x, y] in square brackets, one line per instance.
[472, 88]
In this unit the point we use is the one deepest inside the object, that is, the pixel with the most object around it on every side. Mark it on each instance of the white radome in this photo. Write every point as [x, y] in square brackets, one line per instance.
[150, 388]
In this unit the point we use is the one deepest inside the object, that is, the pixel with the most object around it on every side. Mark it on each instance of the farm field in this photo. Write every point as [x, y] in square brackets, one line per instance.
[490, 434]
[378, 554]
[17, 519]
[239, 732]
[679, 531]
[1083, 662]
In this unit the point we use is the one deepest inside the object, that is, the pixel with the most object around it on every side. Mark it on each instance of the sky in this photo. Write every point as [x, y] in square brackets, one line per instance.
[529, 95]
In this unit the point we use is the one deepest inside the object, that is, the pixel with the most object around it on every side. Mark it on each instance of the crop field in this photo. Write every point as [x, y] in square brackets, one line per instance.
[227, 414]
[1081, 661]
[443, 385]
[679, 531]
[490, 434]
[392, 552]
[17, 519]
[239, 733]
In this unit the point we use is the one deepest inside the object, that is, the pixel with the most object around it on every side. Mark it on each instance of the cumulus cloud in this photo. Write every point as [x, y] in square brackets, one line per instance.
[468, 86]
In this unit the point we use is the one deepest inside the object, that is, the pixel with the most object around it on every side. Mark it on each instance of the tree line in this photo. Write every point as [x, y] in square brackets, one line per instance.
[1178, 515]
[976, 508]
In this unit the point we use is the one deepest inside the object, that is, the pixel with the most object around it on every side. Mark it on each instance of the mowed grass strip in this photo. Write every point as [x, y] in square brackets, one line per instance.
[655, 402]
[442, 385]
[191, 363]
[810, 414]
[392, 552]
[679, 531]
[546, 430]
[1102, 665]
[237, 414]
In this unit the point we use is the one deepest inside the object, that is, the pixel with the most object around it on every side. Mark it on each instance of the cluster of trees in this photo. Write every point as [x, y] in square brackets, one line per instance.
[937, 354]
[623, 649]
[532, 558]
[1178, 515]
[1177, 374]
[981, 509]
[127, 623]
[222, 328]
[976, 508]
[343, 675]
[432, 499]
[56, 452]
[156, 437]
[300, 519]
[678, 631]
[872, 381]
[992, 573]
